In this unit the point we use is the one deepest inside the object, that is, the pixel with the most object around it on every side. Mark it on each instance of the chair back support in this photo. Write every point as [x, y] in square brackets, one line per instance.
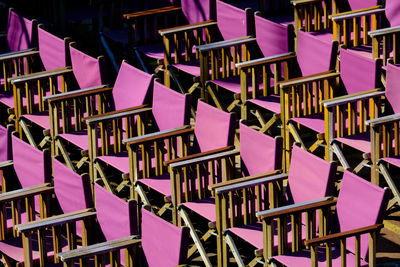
[360, 4]
[259, 152]
[310, 177]
[272, 38]
[353, 69]
[88, 71]
[231, 21]
[392, 12]
[360, 203]
[392, 91]
[314, 55]
[20, 32]
[53, 51]
[170, 108]
[196, 11]
[132, 87]
[116, 217]
[5, 144]
[164, 244]
[32, 166]
[72, 190]
[214, 128]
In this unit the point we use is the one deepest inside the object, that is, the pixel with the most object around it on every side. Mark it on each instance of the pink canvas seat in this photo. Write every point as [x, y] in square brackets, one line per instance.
[359, 204]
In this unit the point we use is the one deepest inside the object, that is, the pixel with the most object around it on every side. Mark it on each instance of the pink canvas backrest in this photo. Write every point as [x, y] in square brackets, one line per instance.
[314, 55]
[214, 128]
[117, 218]
[392, 11]
[310, 177]
[392, 91]
[32, 166]
[20, 32]
[53, 50]
[164, 244]
[88, 71]
[132, 87]
[170, 108]
[272, 38]
[357, 72]
[5, 144]
[259, 152]
[196, 11]
[72, 190]
[360, 4]
[231, 21]
[360, 203]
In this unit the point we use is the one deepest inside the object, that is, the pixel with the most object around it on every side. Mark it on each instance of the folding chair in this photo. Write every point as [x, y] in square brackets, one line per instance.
[5, 154]
[195, 180]
[34, 243]
[351, 233]
[213, 132]
[169, 112]
[162, 245]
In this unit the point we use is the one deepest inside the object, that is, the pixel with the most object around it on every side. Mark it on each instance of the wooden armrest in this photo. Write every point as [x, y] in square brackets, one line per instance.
[6, 164]
[160, 136]
[188, 27]
[56, 220]
[151, 12]
[153, 135]
[26, 192]
[304, 2]
[307, 79]
[342, 235]
[383, 120]
[100, 248]
[243, 180]
[18, 54]
[352, 97]
[296, 208]
[202, 154]
[78, 93]
[266, 60]
[205, 158]
[39, 75]
[384, 31]
[116, 114]
[358, 13]
[226, 43]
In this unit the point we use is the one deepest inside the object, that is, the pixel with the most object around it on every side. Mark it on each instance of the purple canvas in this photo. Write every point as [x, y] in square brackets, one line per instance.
[131, 87]
[117, 218]
[259, 152]
[353, 69]
[272, 38]
[393, 87]
[87, 70]
[313, 54]
[392, 11]
[19, 32]
[72, 190]
[196, 11]
[310, 177]
[214, 128]
[360, 4]
[5, 144]
[170, 108]
[52, 50]
[359, 204]
[231, 21]
[163, 248]
[32, 166]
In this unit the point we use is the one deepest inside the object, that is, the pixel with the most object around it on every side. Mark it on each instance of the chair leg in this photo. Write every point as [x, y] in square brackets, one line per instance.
[275, 118]
[142, 195]
[390, 182]
[214, 97]
[296, 135]
[339, 154]
[27, 133]
[60, 146]
[204, 238]
[138, 56]
[45, 140]
[103, 177]
[234, 250]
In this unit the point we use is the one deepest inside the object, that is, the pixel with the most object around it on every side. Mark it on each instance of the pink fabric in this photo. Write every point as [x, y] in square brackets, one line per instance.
[119, 161]
[193, 68]
[315, 122]
[360, 204]
[79, 139]
[393, 87]
[5, 144]
[314, 55]
[392, 11]
[360, 142]
[272, 38]
[170, 108]
[116, 217]
[41, 119]
[259, 152]
[31, 165]
[155, 50]
[360, 4]
[161, 184]
[393, 160]
[7, 98]
[72, 191]
[196, 11]
[203, 207]
[353, 68]
[19, 32]
[214, 128]
[131, 87]
[231, 21]
[87, 70]
[233, 84]
[271, 103]
[52, 50]
[310, 177]
[163, 248]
